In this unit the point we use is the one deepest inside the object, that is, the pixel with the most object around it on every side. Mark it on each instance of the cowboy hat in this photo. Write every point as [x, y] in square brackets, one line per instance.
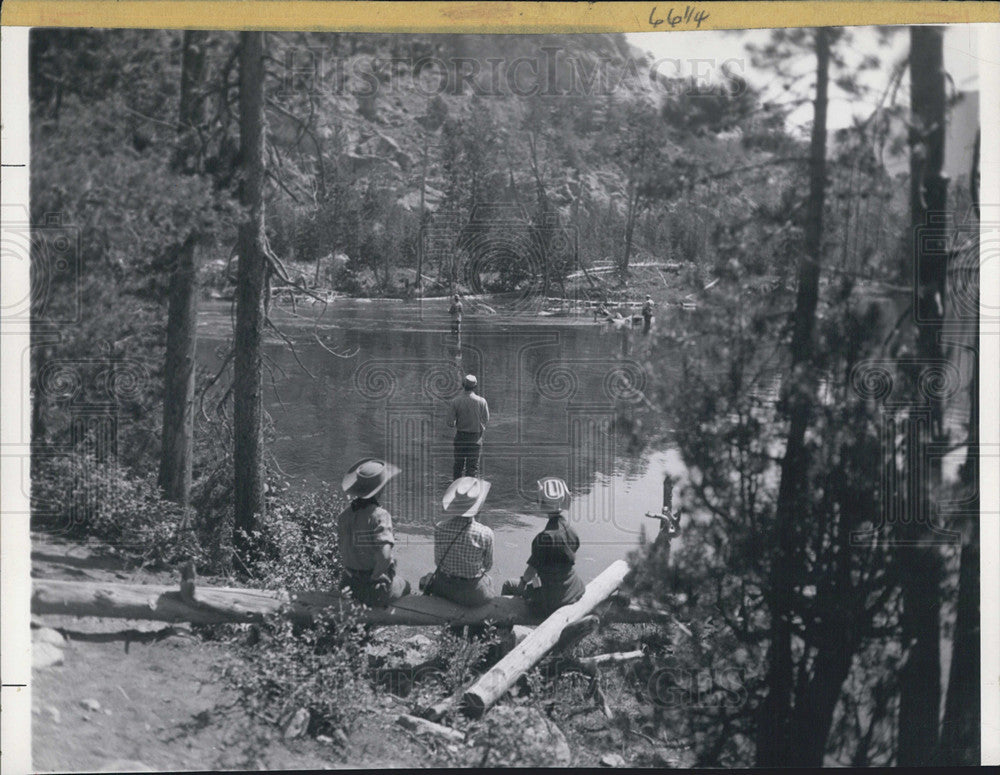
[465, 496]
[553, 494]
[366, 477]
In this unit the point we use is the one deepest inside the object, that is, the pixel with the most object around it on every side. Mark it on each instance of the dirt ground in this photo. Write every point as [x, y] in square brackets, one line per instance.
[126, 696]
[134, 696]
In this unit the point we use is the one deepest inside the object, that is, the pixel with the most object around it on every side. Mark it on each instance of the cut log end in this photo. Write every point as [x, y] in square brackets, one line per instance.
[473, 705]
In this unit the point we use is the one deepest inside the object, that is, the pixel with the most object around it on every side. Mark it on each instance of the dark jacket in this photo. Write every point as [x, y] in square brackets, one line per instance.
[553, 556]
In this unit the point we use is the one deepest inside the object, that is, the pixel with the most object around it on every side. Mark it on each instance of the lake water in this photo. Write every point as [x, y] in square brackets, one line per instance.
[552, 385]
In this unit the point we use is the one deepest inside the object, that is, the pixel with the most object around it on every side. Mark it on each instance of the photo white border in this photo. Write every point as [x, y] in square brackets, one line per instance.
[15, 385]
[989, 397]
[15, 546]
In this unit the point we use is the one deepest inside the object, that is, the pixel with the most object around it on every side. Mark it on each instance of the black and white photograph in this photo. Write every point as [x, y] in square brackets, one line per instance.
[455, 400]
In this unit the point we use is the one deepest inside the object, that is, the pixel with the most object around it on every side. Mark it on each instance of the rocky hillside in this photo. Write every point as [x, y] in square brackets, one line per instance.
[559, 131]
[564, 145]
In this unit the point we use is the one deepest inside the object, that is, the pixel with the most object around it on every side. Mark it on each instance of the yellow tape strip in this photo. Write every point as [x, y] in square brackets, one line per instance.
[465, 17]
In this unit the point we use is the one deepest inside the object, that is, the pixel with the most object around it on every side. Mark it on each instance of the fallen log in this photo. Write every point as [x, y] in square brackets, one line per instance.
[157, 602]
[423, 726]
[498, 679]
[615, 658]
[221, 605]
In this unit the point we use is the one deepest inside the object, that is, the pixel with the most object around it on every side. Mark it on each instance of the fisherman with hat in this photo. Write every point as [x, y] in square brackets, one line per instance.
[647, 314]
[553, 555]
[470, 414]
[365, 535]
[463, 547]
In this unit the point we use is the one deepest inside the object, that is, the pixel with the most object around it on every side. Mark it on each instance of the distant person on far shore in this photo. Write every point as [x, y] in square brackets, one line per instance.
[455, 310]
[469, 414]
[647, 314]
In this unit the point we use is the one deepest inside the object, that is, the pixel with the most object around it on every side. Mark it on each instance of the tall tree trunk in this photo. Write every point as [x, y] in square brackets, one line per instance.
[388, 271]
[178, 399]
[773, 729]
[811, 722]
[920, 678]
[960, 731]
[542, 199]
[630, 212]
[251, 280]
[190, 110]
[178, 395]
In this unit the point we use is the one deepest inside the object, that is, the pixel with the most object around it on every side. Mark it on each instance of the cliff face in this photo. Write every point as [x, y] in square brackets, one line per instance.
[366, 132]
[388, 99]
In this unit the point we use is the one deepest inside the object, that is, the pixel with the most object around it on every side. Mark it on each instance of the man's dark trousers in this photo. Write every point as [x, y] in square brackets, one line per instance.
[468, 447]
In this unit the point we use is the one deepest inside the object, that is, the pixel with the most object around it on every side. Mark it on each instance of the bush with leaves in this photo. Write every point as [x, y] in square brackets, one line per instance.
[299, 540]
[320, 669]
[80, 495]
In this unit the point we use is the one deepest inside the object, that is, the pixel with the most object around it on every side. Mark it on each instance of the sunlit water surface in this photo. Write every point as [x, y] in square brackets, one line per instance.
[551, 383]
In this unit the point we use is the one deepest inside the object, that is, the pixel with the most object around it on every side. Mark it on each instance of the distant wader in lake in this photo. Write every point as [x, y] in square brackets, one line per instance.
[470, 414]
[455, 310]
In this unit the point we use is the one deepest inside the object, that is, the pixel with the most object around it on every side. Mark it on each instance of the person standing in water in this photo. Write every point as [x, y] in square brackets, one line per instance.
[455, 310]
[647, 314]
[470, 413]
[553, 555]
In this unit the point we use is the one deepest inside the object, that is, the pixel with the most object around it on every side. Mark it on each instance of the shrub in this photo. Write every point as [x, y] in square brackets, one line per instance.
[322, 668]
[80, 495]
[464, 658]
[299, 540]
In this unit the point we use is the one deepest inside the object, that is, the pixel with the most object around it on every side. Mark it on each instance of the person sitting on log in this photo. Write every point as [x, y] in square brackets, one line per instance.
[366, 539]
[463, 547]
[553, 555]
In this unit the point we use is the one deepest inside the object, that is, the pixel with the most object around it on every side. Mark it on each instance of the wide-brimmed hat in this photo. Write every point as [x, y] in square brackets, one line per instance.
[553, 494]
[465, 496]
[367, 477]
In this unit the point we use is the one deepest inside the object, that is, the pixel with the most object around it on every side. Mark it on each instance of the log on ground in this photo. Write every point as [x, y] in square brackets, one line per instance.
[219, 605]
[498, 679]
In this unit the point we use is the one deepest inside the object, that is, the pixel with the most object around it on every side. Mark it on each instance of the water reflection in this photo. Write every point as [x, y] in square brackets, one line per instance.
[552, 391]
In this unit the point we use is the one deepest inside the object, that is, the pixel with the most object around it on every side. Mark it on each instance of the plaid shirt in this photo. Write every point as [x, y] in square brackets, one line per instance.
[471, 555]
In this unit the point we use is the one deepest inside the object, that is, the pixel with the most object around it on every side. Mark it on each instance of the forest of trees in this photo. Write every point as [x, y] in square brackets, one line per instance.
[826, 592]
